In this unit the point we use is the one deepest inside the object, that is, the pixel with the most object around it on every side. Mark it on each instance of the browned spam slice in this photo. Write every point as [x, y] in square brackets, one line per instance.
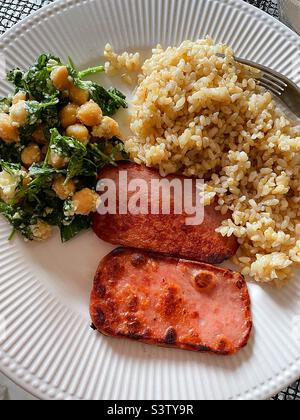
[168, 234]
[171, 302]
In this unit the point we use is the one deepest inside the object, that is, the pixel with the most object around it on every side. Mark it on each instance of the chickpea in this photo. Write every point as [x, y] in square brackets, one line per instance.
[8, 185]
[8, 132]
[107, 129]
[19, 96]
[57, 161]
[85, 201]
[19, 114]
[62, 188]
[31, 154]
[60, 78]
[39, 136]
[90, 114]
[41, 231]
[79, 96]
[80, 132]
[68, 115]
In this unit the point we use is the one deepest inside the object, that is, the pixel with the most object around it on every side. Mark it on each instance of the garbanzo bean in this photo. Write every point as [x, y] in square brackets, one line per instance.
[19, 96]
[78, 96]
[62, 188]
[107, 129]
[68, 115]
[39, 136]
[8, 132]
[90, 114]
[85, 201]
[18, 113]
[57, 161]
[41, 231]
[79, 131]
[60, 78]
[31, 154]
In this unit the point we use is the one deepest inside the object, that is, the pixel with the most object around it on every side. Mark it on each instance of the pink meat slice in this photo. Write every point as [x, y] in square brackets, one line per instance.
[171, 302]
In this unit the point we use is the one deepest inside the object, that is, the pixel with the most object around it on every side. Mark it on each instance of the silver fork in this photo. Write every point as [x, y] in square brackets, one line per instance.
[281, 86]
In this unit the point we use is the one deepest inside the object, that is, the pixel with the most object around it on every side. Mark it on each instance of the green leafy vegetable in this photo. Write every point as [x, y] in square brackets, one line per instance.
[5, 104]
[43, 170]
[77, 76]
[15, 76]
[71, 148]
[19, 219]
[9, 167]
[34, 199]
[109, 100]
[65, 145]
[42, 177]
[36, 81]
[38, 110]
[50, 119]
[47, 206]
[87, 160]
[78, 224]
[107, 152]
[26, 132]
[10, 152]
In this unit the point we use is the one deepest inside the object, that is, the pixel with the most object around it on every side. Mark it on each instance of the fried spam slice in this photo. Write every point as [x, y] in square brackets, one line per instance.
[171, 302]
[164, 233]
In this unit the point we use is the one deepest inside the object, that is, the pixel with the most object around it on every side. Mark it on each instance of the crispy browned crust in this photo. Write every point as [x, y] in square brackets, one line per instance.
[166, 234]
[137, 269]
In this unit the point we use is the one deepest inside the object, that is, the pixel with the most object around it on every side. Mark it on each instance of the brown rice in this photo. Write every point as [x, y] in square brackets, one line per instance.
[125, 63]
[206, 116]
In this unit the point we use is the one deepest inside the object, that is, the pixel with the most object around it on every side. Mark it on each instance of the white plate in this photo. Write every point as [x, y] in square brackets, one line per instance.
[49, 348]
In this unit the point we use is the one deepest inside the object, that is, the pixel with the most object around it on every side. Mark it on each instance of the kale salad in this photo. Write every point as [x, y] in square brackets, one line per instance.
[56, 133]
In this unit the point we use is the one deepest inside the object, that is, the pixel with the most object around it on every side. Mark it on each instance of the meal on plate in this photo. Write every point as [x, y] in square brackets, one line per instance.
[196, 113]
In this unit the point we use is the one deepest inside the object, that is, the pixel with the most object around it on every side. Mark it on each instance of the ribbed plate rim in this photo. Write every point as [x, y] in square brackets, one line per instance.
[292, 373]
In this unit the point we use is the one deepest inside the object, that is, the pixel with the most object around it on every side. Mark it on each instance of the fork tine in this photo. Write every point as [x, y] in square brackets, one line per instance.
[280, 85]
[269, 87]
[271, 73]
[272, 83]
[271, 78]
